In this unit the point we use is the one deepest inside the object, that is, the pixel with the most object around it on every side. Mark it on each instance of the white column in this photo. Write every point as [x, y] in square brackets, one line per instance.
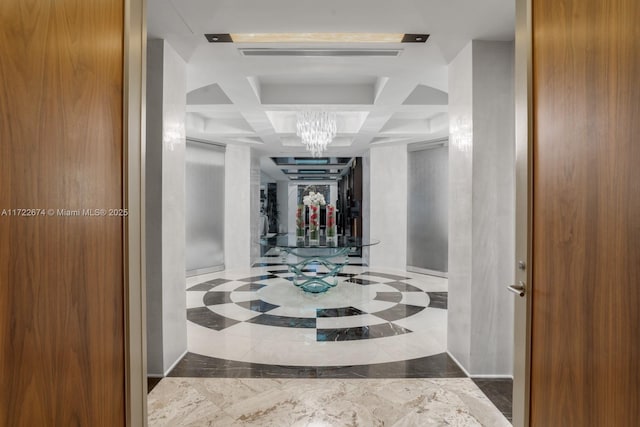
[165, 204]
[237, 207]
[388, 206]
[482, 208]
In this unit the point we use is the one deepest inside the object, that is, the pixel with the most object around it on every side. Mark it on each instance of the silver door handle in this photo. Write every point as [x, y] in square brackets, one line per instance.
[519, 289]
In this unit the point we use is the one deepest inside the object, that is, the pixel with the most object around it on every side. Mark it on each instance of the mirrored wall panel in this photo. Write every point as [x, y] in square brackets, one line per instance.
[428, 216]
[204, 198]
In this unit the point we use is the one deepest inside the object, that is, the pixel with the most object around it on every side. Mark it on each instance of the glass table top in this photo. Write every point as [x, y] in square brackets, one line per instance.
[291, 241]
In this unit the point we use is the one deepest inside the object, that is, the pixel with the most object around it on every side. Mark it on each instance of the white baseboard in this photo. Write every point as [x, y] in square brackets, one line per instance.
[459, 364]
[479, 376]
[175, 363]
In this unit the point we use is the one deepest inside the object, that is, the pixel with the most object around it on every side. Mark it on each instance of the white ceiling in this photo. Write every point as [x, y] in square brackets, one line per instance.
[378, 99]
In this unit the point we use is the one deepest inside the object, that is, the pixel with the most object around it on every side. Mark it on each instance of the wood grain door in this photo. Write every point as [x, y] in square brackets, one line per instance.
[585, 362]
[61, 257]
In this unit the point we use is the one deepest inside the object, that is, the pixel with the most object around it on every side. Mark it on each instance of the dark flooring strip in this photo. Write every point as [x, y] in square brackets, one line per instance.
[361, 332]
[500, 392]
[398, 311]
[257, 305]
[250, 287]
[151, 383]
[388, 296]
[438, 299]
[208, 285]
[385, 275]
[404, 287]
[258, 278]
[204, 317]
[198, 366]
[338, 312]
[284, 321]
[359, 281]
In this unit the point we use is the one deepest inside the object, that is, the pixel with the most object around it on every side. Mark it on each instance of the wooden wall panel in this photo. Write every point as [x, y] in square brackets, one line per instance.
[61, 277]
[586, 214]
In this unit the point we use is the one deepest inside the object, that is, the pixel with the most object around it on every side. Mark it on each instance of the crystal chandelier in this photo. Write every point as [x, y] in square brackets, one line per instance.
[316, 129]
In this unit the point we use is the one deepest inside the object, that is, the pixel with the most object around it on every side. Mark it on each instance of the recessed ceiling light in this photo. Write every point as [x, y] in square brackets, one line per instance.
[317, 38]
[218, 38]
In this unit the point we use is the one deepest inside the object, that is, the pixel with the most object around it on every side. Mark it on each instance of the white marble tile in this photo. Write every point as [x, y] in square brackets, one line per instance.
[194, 299]
[242, 296]
[373, 306]
[263, 334]
[320, 402]
[431, 320]
[415, 298]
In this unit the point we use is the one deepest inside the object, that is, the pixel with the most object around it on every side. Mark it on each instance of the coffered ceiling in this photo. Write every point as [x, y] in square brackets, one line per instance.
[382, 93]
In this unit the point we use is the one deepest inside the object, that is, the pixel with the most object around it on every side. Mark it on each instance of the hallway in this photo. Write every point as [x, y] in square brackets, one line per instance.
[371, 351]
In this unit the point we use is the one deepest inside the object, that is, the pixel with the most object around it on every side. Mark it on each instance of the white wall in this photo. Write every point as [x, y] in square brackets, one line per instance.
[388, 206]
[238, 194]
[482, 208]
[165, 204]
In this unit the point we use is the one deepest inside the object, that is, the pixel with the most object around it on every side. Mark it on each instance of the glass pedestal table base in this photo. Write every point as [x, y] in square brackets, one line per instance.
[333, 259]
[332, 255]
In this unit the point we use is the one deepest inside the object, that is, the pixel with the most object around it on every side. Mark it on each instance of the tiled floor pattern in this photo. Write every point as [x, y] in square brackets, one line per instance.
[370, 352]
[372, 316]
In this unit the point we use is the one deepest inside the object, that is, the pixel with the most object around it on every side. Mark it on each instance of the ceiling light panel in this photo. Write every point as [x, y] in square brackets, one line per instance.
[317, 37]
[318, 52]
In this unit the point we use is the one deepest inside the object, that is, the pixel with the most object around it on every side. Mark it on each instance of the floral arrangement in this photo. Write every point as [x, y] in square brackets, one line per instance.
[314, 223]
[331, 221]
[300, 221]
[313, 198]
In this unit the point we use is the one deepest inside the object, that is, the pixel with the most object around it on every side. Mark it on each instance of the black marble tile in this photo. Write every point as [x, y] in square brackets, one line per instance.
[284, 321]
[436, 366]
[215, 298]
[152, 382]
[361, 332]
[200, 287]
[346, 274]
[285, 271]
[204, 317]
[250, 287]
[438, 299]
[338, 312]
[399, 311]
[217, 282]
[258, 278]
[359, 281]
[404, 287]
[267, 264]
[208, 285]
[257, 305]
[385, 275]
[389, 296]
[500, 392]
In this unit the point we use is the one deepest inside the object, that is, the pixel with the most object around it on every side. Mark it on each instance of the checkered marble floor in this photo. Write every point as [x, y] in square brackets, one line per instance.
[374, 315]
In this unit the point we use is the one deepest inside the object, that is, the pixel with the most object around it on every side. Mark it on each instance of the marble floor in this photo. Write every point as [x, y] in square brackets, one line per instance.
[373, 316]
[369, 352]
[321, 402]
